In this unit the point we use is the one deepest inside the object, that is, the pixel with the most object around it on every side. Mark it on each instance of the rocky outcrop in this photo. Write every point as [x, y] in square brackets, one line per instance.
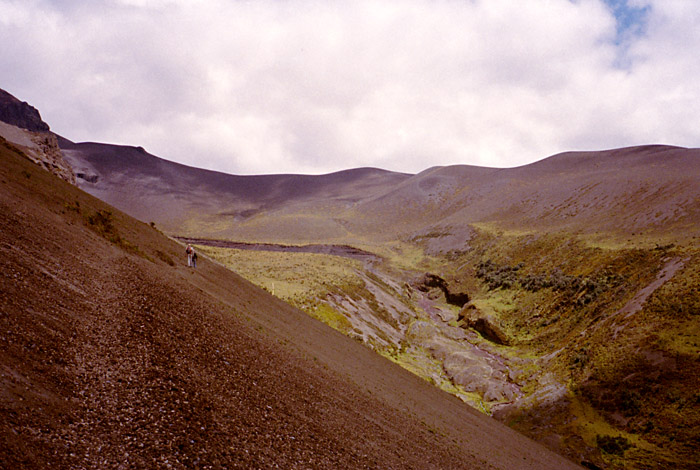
[486, 325]
[432, 281]
[22, 126]
[20, 114]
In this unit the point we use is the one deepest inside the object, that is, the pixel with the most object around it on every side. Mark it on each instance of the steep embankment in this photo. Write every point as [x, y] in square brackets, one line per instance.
[115, 354]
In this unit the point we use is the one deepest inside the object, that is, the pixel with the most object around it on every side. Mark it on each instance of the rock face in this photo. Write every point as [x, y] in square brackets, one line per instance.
[22, 127]
[20, 113]
[431, 281]
[471, 317]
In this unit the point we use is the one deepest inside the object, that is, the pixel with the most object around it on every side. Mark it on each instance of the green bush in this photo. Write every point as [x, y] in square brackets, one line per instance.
[101, 221]
[583, 290]
[615, 445]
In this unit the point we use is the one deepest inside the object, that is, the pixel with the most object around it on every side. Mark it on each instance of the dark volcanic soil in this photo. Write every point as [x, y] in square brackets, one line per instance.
[113, 354]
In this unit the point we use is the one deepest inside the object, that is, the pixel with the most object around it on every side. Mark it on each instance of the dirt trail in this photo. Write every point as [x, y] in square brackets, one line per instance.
[345, 251]
[637, 303]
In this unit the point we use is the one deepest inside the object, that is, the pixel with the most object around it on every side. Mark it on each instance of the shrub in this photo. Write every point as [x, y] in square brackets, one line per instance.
[630, 402]
[616, 445]
[101, 221]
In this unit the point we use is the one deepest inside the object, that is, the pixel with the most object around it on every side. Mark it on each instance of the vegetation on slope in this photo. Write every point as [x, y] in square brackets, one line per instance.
[603, 337]
[113, 355]
[617, 325]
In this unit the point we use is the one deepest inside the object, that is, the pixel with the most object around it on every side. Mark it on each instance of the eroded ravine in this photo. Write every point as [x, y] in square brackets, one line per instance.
[414, 328]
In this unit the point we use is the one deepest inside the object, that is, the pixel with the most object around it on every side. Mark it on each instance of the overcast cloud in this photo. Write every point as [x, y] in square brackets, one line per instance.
[292, 86]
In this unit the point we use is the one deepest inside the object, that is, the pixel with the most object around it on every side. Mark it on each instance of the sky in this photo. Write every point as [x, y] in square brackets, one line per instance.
[311, 86]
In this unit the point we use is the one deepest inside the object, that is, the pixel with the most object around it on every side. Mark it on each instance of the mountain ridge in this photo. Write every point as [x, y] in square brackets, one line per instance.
[456, 194]
[20, 113]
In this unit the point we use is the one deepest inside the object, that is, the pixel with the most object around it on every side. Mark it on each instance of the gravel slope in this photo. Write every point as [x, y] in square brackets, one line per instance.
[115, 355]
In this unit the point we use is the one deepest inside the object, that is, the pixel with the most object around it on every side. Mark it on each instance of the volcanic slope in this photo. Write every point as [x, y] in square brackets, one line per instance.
[637, 190]
[114, 354]
[176, 196]
[641, 191]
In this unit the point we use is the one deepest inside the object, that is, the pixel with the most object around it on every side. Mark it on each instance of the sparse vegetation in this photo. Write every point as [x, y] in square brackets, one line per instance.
[101, 222]
[165, 258]
[616, 445]
[583, 289]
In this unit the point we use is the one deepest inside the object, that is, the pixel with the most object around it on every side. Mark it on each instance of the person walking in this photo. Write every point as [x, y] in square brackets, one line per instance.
[190, 253]
[194, 258]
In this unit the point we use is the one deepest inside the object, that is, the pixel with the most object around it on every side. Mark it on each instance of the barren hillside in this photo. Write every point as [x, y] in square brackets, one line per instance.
[176, 196]
[637, 191]
[115, 354]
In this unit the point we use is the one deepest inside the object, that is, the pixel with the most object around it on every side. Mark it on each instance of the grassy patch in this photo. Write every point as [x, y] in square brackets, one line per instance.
[331, 317]
[294, 277]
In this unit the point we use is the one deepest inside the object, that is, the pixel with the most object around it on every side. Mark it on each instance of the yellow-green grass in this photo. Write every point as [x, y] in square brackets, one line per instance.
[539, 322]
[590, 425]
[330, 317]
[294, 277]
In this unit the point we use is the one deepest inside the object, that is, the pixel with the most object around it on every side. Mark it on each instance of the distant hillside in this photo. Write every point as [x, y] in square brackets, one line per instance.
[174, 195]
[624, 192]
[114, 354]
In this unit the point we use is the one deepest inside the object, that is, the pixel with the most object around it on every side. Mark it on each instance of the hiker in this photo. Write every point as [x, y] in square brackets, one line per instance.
[194, 258]
[190, 253]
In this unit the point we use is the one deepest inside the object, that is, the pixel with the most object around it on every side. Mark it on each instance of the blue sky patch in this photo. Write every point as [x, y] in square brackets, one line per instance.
[631, 20]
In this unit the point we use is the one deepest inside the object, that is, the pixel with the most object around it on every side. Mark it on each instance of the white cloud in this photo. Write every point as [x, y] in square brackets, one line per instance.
[308, 87]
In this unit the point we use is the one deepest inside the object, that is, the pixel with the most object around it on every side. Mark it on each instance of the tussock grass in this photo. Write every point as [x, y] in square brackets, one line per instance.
[295, 277]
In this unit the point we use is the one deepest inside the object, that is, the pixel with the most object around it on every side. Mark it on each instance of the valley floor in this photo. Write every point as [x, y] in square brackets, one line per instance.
[527, 384]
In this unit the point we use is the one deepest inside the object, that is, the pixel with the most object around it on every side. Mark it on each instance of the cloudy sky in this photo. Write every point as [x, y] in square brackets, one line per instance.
[312, 86]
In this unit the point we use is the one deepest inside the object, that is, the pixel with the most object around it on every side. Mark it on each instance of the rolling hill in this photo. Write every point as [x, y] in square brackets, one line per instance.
[176, 196]
[115, 354]
[618, 193]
